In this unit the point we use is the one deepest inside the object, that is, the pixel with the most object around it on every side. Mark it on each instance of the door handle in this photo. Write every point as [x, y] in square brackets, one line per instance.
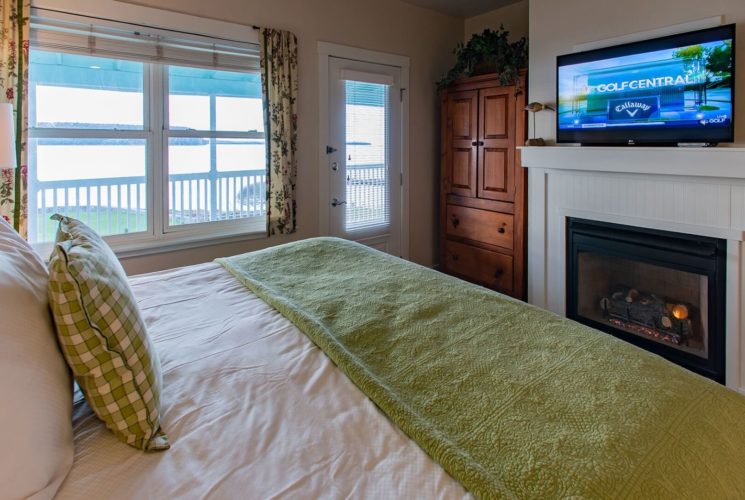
[335, 202]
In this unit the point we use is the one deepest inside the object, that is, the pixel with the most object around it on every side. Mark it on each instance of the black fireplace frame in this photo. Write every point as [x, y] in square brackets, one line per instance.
[695, 254]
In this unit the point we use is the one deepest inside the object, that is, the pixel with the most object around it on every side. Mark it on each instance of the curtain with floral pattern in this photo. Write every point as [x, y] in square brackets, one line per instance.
[278, 54]
[14, 82]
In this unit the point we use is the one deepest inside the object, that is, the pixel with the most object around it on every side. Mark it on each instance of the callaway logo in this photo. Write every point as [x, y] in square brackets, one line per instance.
[632, 108]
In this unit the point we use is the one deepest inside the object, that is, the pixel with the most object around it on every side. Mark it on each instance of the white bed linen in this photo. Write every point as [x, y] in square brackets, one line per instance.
[252, 409]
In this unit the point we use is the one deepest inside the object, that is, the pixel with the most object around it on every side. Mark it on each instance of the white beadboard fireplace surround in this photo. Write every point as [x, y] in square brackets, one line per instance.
[697, 191]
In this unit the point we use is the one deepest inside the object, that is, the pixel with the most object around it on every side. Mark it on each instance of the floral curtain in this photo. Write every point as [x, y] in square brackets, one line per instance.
[14, 82]
[279, 82]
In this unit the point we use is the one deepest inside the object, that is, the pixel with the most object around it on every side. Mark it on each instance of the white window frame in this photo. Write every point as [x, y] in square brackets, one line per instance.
[159, 237]
[196, 230]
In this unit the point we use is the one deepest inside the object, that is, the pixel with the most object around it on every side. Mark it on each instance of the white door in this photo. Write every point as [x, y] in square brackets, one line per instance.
[364, 153]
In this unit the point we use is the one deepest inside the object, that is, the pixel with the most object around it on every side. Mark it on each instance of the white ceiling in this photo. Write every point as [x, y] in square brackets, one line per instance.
[462, 8]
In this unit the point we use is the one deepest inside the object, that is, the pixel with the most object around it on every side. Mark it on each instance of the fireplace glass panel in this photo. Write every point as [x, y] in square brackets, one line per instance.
[658, 303]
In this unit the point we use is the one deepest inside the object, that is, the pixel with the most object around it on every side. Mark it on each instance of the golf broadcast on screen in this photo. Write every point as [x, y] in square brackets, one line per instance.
[675, 88]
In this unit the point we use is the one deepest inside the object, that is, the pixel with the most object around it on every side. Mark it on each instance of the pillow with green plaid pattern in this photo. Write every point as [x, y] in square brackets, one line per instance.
[103, 336]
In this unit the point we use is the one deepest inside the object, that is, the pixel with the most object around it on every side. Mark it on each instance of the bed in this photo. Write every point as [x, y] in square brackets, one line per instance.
[253, 410]
[325, 369]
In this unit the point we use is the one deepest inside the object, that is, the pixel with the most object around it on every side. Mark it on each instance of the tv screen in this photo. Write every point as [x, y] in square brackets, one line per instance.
[675, 89]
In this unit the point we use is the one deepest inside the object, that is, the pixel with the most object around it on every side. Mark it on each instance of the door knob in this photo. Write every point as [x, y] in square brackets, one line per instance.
[335, 202]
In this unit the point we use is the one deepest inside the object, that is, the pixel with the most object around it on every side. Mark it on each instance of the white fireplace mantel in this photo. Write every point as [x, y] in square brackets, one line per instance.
[689, 190]
[728, 162]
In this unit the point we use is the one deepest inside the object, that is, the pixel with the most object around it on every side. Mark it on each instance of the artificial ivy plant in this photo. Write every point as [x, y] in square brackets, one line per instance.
[489, 52]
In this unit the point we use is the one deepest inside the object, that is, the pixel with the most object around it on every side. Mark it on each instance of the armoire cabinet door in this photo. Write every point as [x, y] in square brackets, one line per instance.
[483, 186]
[496, 161]
[463, 118]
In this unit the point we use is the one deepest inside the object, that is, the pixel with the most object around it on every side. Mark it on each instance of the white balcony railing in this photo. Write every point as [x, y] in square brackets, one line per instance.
[118, 205]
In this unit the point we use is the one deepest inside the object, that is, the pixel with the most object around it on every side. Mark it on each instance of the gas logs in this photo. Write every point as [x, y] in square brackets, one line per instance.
[648, 314]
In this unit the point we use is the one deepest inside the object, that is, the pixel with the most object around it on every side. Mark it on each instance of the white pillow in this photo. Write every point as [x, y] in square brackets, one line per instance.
[35, 385]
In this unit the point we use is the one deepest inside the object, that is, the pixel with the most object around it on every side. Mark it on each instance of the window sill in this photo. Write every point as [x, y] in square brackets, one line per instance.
[165, 245]
[145, 244]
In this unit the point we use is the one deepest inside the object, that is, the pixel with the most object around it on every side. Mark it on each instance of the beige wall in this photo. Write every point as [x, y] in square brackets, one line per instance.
[555, 27]
[514, 17]
[390, 26]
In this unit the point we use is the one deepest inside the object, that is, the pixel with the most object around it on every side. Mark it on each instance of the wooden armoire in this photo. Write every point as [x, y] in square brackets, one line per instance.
[483, 186]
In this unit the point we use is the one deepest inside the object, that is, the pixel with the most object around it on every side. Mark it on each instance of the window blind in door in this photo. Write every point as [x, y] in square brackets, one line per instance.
[367, 155]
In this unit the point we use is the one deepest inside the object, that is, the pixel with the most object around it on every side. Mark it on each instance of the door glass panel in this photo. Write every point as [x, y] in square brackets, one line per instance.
[367, 176]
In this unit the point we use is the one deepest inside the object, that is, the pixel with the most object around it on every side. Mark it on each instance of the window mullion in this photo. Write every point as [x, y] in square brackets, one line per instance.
[157, 157]
[79, 133]
[216, 134]
[212, 205]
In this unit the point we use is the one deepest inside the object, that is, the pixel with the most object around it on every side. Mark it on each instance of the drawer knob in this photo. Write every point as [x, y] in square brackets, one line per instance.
[455, 220]
[455, 256]
[498, 273]
[500, 230]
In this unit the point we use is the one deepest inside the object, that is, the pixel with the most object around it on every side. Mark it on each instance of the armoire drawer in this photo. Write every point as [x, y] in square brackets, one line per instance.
[494, 228]
[490, 268]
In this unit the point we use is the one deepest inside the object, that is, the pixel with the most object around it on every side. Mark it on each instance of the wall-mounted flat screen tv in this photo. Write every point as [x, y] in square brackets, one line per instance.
[675, 89]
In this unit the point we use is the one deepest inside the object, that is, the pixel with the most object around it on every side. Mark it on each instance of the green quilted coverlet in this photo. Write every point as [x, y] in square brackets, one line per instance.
[513, 401]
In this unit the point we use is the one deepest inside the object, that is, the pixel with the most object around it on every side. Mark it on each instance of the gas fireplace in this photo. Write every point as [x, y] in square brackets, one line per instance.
[662, 291]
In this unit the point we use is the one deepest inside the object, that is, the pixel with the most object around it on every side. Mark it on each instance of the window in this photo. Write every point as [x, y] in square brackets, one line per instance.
[216, 154]
[148, 138]
[88, 149]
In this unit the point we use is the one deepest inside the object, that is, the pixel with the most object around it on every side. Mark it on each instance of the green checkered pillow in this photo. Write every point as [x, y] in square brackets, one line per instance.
[103, 336]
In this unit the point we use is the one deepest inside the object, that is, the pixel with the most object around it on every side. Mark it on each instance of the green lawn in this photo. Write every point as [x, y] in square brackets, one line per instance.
[105, 222]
